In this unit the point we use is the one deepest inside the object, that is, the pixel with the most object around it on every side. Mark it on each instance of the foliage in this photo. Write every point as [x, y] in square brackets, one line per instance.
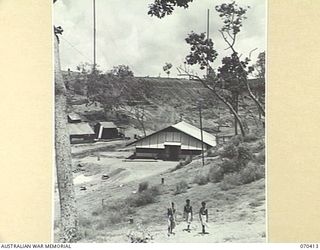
[250, 138]
[229, 166]
[244, 155]
[181, 187]
[251, 173]
[167, 67]
[161, 8]
[121, 71]
[201, 50]
[215, 174]
[232, 16]
[200, 179]
[260, 65]
[230, 181]
[140, 235]
[143, 198]
[260, 158]
[229, 151]
[143, 186]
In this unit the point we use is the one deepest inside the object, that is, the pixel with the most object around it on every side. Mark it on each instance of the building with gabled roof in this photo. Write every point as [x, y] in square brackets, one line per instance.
[106, 130]
[80, 132]
[174, 142]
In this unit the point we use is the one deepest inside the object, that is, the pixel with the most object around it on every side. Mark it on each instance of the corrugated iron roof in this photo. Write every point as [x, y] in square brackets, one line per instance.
[108, 124]
[195, 132]
[188, 129]
[80, 129]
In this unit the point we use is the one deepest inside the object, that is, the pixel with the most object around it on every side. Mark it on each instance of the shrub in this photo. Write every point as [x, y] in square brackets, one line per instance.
[215, 174]
[85, 222]
[260, 158]
[181, 187]
[236, 140]
[143, 186]
[212, 152]
[230, 181]
[229, 166]
[251, 173]
[154, 190]
[250, 138]
[244, 155]
[201, 179]
[229, 151]
[140, 235]
[143, 198]
[183, 163]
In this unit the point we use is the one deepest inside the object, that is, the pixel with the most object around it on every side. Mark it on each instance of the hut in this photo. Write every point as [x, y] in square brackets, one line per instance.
[80, 132]
[175, 142]
[74, 118]
[106, 130]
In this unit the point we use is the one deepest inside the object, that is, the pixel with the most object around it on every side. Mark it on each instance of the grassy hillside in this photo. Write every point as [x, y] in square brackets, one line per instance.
[169, 100]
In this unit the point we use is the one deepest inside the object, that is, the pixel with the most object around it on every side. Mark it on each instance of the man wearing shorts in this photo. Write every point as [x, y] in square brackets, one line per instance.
[188, 214]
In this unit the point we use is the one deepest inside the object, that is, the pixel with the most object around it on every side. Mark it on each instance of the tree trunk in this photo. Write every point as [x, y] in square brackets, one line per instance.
[229, 105]
[68, 212]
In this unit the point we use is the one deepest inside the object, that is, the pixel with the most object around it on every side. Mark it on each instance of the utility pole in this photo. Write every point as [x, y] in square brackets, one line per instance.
[208, 16]
[201, 131]
[94, 35]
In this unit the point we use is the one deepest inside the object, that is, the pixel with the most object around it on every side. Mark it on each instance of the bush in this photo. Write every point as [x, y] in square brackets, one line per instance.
[230, 181]
[250, 138]
[260, 158]
[183, 163]
[236, 140]
[244, 155]
[212, 152]
[215, 174]
[251, 173]
[181, 187]
[143, 186]
[229, 151]
[201, 179]
[229, 166]
[143, 198]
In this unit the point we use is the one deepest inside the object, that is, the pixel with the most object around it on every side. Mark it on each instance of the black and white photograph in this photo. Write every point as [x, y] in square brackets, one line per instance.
[160, 121]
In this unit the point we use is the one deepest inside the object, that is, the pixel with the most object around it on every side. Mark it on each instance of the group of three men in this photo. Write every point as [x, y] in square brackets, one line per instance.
[188, 216]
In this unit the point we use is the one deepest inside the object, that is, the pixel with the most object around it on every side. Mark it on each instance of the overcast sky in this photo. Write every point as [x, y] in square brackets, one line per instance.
[127, 35]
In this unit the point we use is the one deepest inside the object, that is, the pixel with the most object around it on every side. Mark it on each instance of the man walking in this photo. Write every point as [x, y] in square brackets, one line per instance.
[203, 214]
[188, 214]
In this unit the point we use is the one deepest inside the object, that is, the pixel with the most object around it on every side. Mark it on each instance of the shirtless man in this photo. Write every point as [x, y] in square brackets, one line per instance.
[203, 214]
[188, 214]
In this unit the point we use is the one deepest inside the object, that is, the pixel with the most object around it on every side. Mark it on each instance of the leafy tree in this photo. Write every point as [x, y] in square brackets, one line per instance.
[121, 71]
[161, 8]
[166, 68]
[203, 52]
[233, 16]
[260, 65]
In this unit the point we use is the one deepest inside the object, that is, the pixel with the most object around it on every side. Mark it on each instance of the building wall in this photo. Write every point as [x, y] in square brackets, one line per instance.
[161, 153]
[74, 139]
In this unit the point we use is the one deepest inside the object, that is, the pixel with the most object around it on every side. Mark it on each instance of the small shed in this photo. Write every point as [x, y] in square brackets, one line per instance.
[80, 132]
[175, 142]
[74, 118]
[106, 130]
